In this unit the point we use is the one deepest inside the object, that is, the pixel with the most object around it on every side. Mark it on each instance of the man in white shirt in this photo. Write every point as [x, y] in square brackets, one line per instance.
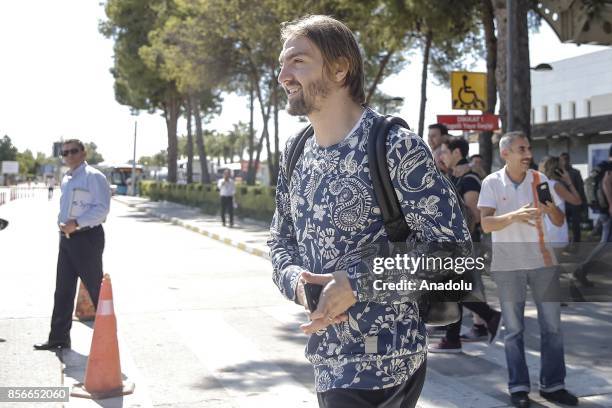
[227, 189]
[510, 209]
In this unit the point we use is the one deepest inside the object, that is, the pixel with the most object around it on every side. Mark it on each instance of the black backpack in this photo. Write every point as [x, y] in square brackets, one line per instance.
[596, 199]
[434, 311]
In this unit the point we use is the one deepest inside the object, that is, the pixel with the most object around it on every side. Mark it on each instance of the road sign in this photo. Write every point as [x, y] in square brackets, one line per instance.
[10, 167]
[57, 149]
[469, 90]
[483, 123]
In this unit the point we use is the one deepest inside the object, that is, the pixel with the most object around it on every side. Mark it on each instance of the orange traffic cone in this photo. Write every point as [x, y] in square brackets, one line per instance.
[103, 372]
[85, 310]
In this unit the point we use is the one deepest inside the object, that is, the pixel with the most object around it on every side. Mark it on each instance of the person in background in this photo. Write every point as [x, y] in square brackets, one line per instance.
[227, 189]
[511, 210]
[454, 153]
[477, 165]
[573, 212]
[437, 134]
[604, 218]
[558, 179]
[50, 187]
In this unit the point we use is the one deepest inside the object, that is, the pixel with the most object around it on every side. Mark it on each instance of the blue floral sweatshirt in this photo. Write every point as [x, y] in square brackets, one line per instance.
[324, 221]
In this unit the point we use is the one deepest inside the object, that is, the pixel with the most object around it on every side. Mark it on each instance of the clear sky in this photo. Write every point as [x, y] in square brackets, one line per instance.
[55, 82]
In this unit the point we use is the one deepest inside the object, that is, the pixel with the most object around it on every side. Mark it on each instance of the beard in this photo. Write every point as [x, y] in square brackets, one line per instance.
[304, 104]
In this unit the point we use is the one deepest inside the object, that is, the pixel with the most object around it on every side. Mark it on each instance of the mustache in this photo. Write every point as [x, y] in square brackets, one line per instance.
[292, 83]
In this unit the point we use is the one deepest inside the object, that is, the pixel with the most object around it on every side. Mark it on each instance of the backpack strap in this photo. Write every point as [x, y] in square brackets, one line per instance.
[295, 150]
[384, 191]
[539, 222]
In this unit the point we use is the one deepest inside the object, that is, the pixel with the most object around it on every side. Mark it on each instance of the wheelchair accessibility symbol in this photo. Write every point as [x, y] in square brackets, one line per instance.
[469, 90]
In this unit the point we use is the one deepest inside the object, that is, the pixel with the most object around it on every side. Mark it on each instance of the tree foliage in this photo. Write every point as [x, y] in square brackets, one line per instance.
[8, 152]
[140, 81]
[157, 160]
[93, 156]
[180, 56]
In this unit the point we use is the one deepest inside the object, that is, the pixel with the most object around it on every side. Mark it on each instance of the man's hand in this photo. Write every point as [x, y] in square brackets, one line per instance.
[69, 227]
[556, 216]
[336, 297]
[565, 177]
[549, 208]
[526, 214]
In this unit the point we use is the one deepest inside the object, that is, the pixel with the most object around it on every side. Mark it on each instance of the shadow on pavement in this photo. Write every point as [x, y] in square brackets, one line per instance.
[259, 376]
[291, 333]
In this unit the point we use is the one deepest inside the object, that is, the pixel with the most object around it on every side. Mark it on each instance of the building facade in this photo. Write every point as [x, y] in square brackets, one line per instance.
[572, 108]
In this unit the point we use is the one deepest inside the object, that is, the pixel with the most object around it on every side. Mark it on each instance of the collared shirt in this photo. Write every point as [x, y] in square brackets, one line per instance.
[327, 217]
[85, 196]
[226, 188]
[513, 247]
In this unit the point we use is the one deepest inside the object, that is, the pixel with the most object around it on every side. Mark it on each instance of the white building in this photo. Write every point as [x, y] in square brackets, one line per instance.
[572, 108]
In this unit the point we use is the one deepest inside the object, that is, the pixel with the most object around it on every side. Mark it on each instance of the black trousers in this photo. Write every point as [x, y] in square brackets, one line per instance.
[80, 256]
[574, 217]
[405, 395]
[227, 205]
[482, 309]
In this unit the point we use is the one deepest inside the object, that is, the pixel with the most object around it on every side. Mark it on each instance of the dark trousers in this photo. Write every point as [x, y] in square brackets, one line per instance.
[405, 395]
[227, 204]
[80, 256]
[574, 217]
[482, 309]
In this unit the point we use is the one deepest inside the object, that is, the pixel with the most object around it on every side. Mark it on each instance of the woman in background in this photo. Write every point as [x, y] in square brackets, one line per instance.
[560, 181]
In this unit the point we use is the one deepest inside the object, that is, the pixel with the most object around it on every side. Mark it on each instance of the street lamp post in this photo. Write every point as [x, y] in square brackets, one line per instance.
[134, 160]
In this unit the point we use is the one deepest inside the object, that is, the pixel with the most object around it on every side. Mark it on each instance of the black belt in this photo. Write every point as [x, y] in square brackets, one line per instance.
[82, 229]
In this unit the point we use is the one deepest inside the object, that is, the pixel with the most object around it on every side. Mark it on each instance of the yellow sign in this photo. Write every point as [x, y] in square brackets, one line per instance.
[469, 90]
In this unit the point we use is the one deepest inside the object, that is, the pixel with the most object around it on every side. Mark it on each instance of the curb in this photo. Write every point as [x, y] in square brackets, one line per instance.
[177, 221]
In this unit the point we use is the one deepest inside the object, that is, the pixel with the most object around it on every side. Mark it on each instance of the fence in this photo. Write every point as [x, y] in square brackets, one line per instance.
[18, 192]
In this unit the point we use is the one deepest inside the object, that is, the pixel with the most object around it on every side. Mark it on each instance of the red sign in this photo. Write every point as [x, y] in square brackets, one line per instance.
[486, 122]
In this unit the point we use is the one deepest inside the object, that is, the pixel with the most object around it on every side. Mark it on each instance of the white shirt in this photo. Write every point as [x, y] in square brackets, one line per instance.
[519, 246]
[226, 188]
[558, 236]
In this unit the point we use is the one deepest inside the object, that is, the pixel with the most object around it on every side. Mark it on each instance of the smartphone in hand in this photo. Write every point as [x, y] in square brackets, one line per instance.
[313, 293]
[544, 193]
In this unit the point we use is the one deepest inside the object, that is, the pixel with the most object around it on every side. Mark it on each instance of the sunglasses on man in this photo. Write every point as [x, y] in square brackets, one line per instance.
[70, 151]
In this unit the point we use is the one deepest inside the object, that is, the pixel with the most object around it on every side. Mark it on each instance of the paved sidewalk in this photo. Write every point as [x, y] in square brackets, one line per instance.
[476, 377]
[247, 234]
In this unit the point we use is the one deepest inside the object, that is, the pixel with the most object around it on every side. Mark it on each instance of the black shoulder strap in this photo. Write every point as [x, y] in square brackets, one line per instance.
[390, 207]
[295, 150]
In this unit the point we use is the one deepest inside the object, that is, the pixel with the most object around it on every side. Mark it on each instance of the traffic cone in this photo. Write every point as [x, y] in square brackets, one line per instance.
[85, 310]
[103, 372]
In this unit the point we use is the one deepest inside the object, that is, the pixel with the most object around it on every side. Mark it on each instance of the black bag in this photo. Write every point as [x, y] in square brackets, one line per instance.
[596, 199]
[434, 310]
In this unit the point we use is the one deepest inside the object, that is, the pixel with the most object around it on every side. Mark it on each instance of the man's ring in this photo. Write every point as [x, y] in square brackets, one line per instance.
[331, 319]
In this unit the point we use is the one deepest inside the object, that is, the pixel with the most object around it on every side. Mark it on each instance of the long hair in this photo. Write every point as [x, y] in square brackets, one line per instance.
[548, 165]
[335, 40]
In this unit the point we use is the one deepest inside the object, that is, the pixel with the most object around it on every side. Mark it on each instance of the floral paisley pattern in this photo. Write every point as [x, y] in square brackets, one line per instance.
[327, 219]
